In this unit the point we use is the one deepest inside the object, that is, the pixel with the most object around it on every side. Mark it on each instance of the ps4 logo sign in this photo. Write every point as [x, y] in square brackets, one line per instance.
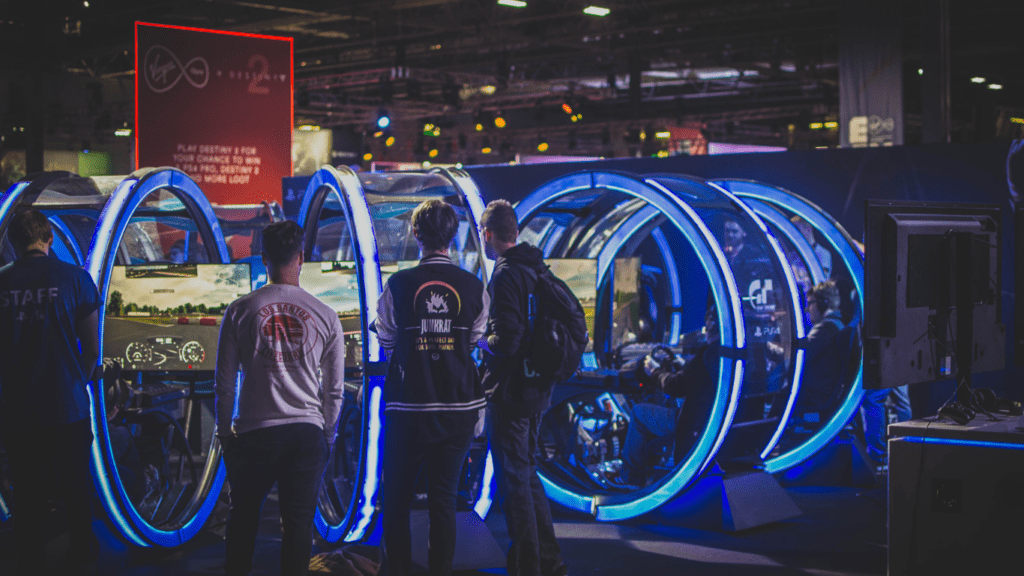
[163, 70]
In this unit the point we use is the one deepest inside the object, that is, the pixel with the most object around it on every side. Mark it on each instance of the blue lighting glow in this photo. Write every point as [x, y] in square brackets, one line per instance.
[724, 289]
[113, 221]
[368, 504]
[70, 246]
[483, 504]
[344, 185]
[673, 278]
[796, 316]
[971, 443]
[840, 241]
[8, 202]
[772, 214]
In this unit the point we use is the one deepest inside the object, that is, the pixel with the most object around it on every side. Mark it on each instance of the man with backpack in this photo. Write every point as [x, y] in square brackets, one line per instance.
[520, 369]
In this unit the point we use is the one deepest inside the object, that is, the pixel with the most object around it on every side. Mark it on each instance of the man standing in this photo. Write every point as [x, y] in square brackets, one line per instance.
[428, 319]
[516, 402]
[46, 308]
[825, 352]
[290, 348]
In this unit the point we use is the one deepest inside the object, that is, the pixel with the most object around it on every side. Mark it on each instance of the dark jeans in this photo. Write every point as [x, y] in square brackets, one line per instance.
[534, 550]
[42, 457]
[294, 456]
[404, 454]
[650, 429]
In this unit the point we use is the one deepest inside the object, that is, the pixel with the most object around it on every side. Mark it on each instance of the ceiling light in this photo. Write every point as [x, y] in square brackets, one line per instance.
[390, 141]
[436, 132]
[309, 128]
[995, 86]
[596, 11]
[488, 90]
[662, 154]
[479, 127]
[831, 125]
[378, 134]
[920, 71]
[1015, 120]
[123, 132]
[566, 108]
[978, 80]
[542, 147]
[663, 135]
[458, 165]
[486, 150]
[816, 126]
[512, 3]
[499, 122]
[433, 153]
[367, 157]
[383, 119]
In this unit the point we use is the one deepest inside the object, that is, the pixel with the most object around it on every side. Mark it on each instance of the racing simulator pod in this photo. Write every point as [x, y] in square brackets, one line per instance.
[153, 245]
[358, 232]
[628, 246]
[819, 249]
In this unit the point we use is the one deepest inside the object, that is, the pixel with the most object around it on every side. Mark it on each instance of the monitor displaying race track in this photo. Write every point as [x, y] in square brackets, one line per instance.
[166, 317]
[580, 274]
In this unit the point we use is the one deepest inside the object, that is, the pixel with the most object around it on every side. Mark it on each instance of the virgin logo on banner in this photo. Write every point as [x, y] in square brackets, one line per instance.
[216, 105]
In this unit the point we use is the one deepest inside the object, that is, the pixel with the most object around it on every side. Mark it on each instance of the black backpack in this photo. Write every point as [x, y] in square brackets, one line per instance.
[556, 332]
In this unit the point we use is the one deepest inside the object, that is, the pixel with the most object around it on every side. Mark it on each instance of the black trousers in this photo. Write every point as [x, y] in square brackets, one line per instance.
[534, 550]
[404, 455]
[294, 456]
[45, 460]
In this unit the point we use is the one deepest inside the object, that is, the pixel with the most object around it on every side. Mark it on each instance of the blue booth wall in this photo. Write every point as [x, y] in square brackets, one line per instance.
[839, 181]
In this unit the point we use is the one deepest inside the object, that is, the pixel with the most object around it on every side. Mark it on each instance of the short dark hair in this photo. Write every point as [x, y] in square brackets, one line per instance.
[824, 294]
[28, 228]
[500, 218]
[282, 241]
[434, 224]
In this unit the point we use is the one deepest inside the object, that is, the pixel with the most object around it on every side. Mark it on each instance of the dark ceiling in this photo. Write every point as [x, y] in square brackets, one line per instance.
[740, 67]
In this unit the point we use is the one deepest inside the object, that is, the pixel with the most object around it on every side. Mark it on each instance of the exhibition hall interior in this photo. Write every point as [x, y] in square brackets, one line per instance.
[791, 228]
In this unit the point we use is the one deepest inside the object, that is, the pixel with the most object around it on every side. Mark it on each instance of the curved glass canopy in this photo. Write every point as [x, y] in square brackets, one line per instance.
[838, 258]
[642, 240]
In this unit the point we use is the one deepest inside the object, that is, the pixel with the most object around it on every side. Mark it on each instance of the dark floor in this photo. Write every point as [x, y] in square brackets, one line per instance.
[841, 531]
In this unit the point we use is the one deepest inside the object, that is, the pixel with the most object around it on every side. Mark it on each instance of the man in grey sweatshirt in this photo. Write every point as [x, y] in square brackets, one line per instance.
[277, 421]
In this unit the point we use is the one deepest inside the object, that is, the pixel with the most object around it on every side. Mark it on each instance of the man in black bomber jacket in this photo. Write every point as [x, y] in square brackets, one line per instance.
[517, 402]
[428, 320]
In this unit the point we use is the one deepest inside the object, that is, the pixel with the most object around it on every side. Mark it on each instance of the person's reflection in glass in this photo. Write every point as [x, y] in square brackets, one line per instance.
[658, 419]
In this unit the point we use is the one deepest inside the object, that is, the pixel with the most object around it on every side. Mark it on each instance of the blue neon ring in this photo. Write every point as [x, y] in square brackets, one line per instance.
[610, 508]
[797, 314]
[113, 220]
[473, 199]
[344, 184]
[841, 241]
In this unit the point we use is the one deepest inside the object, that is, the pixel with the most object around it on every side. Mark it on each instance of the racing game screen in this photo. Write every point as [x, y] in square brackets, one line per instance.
[580, 274]
[626, 307]
[337, 285]
[167, 316]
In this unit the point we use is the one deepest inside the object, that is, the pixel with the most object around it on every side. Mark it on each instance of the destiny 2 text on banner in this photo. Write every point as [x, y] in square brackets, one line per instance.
[216, 105]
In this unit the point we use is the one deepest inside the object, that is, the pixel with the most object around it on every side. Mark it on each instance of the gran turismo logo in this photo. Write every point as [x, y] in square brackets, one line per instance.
[163, 70]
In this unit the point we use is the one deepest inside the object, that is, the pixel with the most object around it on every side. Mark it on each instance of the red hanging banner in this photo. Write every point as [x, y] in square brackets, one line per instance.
[216, 105]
